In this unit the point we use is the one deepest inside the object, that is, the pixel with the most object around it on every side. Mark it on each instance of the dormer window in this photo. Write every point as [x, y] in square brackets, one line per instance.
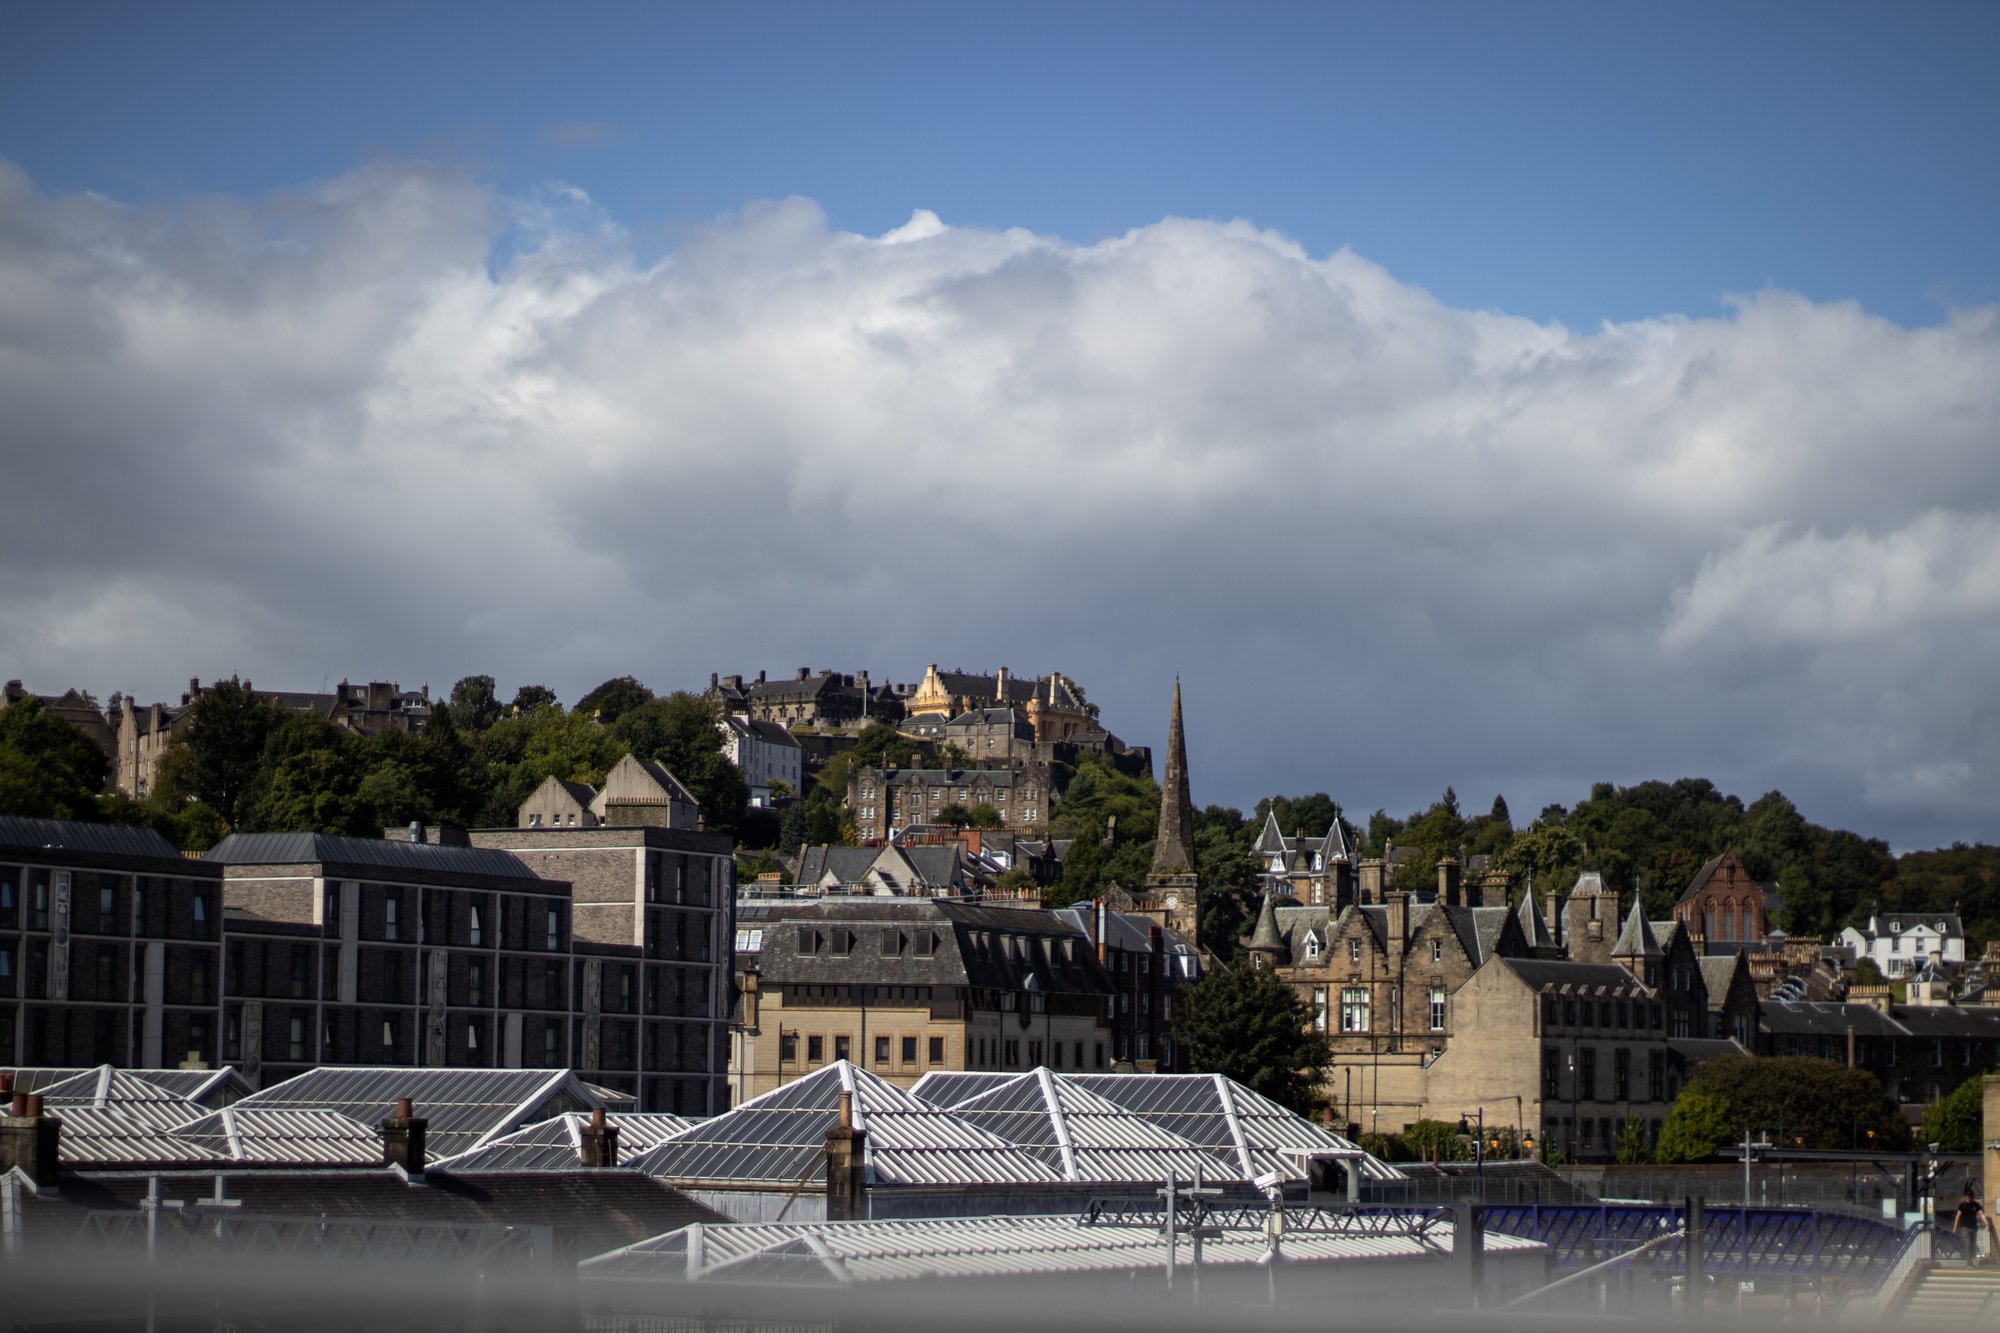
[1312, 945]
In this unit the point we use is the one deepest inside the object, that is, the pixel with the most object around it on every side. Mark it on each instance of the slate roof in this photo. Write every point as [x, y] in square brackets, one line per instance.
[954, 777]
[557, 1144]
[1534, 926]
[465, 1108]
[19, 831]
[1636, 939]
[278, 849]
[779, 1139]
[1827, 1018]
[1538, 973]
[599, 1210]
[972, 946]
[847, 864]
[1265, 937]
[1716, 972]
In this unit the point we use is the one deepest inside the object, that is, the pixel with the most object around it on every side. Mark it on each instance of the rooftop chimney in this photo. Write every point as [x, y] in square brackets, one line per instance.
[600, 1141]
[1399, 923]
[846, 1166]
[403, 1138]
[1448, 881]
[29, 1139]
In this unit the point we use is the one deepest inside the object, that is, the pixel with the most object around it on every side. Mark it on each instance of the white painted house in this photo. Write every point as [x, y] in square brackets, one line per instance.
[766, 753]
[1899, 943]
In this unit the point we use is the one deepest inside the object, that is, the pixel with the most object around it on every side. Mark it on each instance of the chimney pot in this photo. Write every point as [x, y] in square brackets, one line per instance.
[18, 1106]
[34, 1110]
[6, 1083]
[597, 1117]
[404, 1108]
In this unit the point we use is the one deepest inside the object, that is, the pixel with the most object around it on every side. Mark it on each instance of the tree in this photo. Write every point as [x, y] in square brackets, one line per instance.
[475, 703]
[225, 737]
[1956, 1122]
[1793, 1097]
[1544, 854]
[613, 699]
[1697, 1127]
[1632, 1147]
[1434, 1141]
[533, 698]
[683, 731]
[882, 746]
[1248, 1025]
[794, 828]
[48, 768]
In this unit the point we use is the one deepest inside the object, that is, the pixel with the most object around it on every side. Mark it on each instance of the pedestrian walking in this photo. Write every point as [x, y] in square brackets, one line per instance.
[1971, 1216]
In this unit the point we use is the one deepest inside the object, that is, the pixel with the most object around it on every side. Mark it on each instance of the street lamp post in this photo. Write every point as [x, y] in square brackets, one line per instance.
[1478, 1152]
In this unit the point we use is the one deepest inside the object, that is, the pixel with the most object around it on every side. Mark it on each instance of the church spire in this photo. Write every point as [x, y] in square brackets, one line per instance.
[1173, 850]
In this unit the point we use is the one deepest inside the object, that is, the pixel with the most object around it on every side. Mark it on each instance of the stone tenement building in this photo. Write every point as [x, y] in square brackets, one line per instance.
[810, 699]
[1559, 1025]
[882, 799]
[904, 986]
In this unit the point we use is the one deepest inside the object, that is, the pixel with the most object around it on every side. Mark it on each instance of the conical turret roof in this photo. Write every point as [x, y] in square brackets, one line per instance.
[1534, 928]
[1637, 939]
[1266, 937]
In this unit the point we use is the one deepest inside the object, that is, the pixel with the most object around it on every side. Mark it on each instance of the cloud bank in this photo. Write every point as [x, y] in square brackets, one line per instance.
[396, 425]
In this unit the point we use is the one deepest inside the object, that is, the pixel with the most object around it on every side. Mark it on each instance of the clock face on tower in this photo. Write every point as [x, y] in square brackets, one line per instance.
[1173, 902]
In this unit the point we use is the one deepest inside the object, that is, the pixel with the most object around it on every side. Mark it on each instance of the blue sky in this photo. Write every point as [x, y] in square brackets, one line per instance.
[1466, 394]
[1574, 162]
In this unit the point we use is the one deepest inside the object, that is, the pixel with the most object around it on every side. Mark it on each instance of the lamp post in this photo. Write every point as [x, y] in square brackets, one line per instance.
[1478, 1152]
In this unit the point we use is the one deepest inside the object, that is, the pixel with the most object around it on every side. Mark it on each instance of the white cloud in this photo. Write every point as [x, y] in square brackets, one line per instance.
[395, 425]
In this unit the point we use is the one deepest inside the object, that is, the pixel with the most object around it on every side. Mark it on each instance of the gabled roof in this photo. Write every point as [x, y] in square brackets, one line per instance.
[779, 1138]
[946, 1088]
[1272, 838]
[139, 1100]
[275, 1135]
[1223, 1116]
[465, 1108]
[1717, 971]
[1084, 1137]
[557, 1144]
[1636, 940]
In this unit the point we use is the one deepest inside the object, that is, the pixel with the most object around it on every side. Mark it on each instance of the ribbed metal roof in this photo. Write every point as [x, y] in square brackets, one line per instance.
[211, 1088]
[18, 831]
[946, 1088]
[780, 1139]
[464, 1108]
[843, 1253]
[1222, 1115]
[557, 1145]
[278, 849]
[1086, 1138]
[281, 1135]
[114, 1136]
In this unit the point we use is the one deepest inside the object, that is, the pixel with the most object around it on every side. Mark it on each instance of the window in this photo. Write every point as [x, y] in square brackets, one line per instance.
[937, 1050]
[104, 974]
[471, 1037]
[881, 1050]
[197, 981]
[198, 1036]
[7, 976]
[473, 920]
[299, 965]
[1586, 1074]
[1551, 1074]
[909, 1050]
[8, 907]
[1354, 951]
[1437, 1008]
[551, 1046]
[1319, 1008]
[389, 913]
[107, 907]
[815, 1049]
[843, 1048]
[555, 928]
[389, 1033]
[1354, 1009]
[38, 912]
[296, 1047]
[1437, 951]
[1312, 946]
[1656, 1075]
[232, 1038]
[475, 983]
[1621, 1075]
